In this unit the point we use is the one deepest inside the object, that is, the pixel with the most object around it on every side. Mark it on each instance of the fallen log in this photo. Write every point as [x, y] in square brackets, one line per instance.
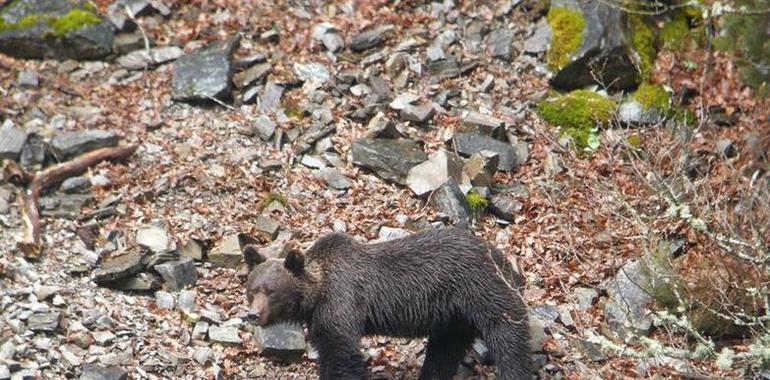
[29, 197]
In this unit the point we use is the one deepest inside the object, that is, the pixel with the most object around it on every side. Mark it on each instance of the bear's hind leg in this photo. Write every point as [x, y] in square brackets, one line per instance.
[445, 350]
[508, 343]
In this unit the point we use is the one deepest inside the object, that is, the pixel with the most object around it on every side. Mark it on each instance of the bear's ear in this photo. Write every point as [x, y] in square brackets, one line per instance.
[295, 262]
[252, 257]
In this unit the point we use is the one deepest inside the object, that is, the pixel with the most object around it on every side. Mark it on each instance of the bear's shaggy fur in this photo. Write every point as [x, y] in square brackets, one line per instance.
[445, 284]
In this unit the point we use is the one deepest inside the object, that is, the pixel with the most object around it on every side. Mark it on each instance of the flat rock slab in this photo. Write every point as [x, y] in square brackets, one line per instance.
[153, 238]
[469, 143]
[42, 29]
[70, 144]
[117, 267]
[205, 73]
[178, 274]
[431, 174]
[100, 372]
[227, 254]
[334, 178]
[12, 141]
[224, 334]
[140, 59]
[44, 321]
[390, 159]
[282, 342]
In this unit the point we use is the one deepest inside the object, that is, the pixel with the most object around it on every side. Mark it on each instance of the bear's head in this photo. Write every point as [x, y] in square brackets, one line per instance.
[274, 288]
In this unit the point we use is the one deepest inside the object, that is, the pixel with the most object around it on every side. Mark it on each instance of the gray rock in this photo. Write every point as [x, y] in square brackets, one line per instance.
[591, 350]
[484, 124]
[403, 100]
[725, 148]
[127, 42]
[154, 239]
[333, 42]
[480, 167]
[434, 172]
[625, 310]
[504, 206]
[187, 300]
[585, 297]
[5, 373]
[140, 59]
[538, 42]
[390, 159]
[500, 44]
[192, 249]
[69, 144]
[470, 143]
[334, 178]
[77, 184]
[253, 74]
[546, 314]
[389, 233]
[312, 72]
[264, 126]
[366, 39]
[418, 114]
[267, 226]
[117, 267]
[227, 254]
[100, 372]
[282, 342]
[138, 282]
[116, 12]
[603, 55]
[24, 374]
[34, 152]
[28, 78]
[205, 73]
[65, 206]
[178, 274]
[202, 355]
[12, 141]
[164, 300]
[103, 337]
[47, 322]
[270, 98]
[92, 40]
[224, 335]
[381, 126]
[200, 330]
[450, 201]
[313, 162]
[631, 112]
[536, 333]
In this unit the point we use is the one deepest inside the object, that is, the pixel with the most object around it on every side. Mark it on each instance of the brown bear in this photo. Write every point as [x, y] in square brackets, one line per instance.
[445, 284]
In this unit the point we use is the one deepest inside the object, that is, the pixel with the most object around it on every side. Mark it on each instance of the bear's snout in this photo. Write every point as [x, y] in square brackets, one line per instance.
[258, 312]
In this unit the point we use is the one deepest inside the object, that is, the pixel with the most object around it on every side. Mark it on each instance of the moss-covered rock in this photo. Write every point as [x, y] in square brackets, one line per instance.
[54, 29]
[674, 33]
[652, 96]
[643, 42]
[578, 114]
[476, 201]
[567, 31]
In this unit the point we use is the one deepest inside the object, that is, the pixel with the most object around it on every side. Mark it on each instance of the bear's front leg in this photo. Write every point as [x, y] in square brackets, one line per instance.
[337, 337]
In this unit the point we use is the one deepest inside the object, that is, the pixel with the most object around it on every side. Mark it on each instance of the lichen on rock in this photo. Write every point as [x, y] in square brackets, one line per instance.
[567, 30]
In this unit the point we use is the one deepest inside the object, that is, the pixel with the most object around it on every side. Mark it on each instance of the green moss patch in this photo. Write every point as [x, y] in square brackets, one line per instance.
[675, 33]
[578, 114]
[60, 25]
[652, 96]
[74, 19]
[476, 201]
[643, 42]
[567, 30]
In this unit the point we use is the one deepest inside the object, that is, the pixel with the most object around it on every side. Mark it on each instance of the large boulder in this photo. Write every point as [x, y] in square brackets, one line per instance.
[590, 46]
[60, 29]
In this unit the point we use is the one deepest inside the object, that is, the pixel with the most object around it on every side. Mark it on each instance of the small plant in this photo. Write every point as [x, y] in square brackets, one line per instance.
[476, 201]
[270, 198]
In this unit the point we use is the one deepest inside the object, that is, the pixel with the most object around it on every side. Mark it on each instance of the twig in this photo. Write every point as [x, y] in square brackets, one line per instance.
[30, 244]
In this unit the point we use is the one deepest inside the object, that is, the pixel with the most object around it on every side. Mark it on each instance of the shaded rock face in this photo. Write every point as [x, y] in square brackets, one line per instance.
[59, 29]
[205, 73]
[390, 159]
[604, 54]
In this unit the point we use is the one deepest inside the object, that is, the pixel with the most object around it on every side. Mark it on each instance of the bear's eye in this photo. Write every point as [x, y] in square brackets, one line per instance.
[267, 291]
